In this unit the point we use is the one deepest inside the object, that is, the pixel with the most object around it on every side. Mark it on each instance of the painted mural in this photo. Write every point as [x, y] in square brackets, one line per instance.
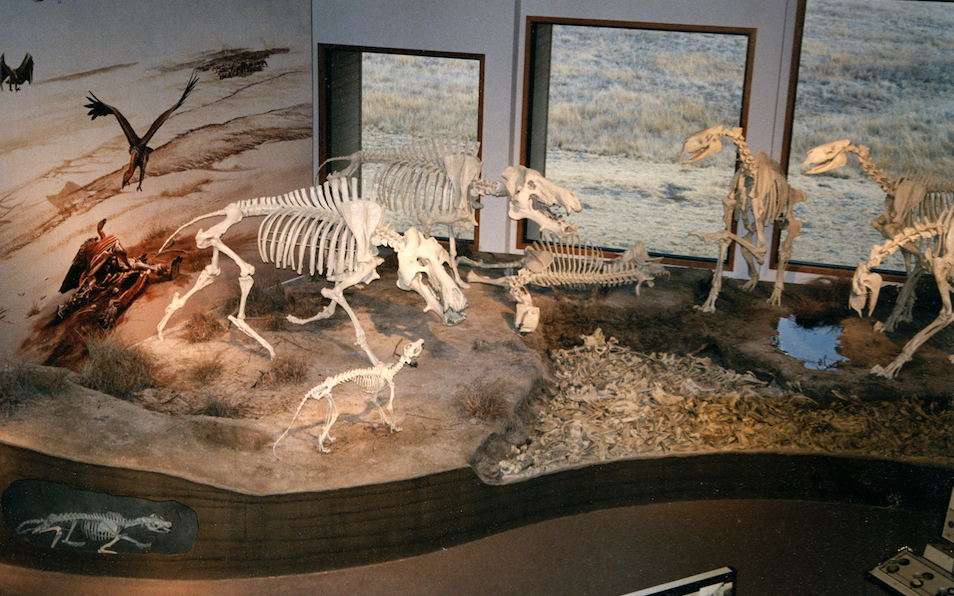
[119, 122]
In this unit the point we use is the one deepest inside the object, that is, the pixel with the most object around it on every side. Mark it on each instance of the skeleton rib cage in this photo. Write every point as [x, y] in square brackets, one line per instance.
[577, 264]
[313, 225]
[936, 203]
[414, 179]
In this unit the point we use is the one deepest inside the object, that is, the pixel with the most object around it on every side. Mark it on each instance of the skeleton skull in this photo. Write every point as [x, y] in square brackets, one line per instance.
[704, 143]
[865, 287]
[827, 157]
[532, 196]
[424, 256]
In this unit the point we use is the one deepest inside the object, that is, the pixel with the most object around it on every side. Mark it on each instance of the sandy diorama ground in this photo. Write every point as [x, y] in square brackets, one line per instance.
[483, 396]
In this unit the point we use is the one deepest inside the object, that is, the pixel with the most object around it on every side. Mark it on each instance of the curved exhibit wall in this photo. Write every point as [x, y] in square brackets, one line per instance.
[253, 536]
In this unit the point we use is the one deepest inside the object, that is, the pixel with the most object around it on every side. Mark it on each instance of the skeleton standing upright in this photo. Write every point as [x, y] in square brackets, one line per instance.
[759, 196]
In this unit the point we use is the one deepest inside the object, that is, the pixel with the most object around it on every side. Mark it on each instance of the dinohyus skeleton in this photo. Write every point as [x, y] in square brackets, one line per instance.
[437, 182]
[373, 380]
[569, 263]
[914, 198]
[338, 235]
[108, 528]
[759, 196]
[935, 240]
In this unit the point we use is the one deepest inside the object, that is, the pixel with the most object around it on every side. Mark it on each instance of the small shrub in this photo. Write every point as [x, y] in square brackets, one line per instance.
[284, 370]
[483, 401]
[116, 369]
[19, 382]
[201, 327]
[218, 407]
[262, 301]
[206, 370]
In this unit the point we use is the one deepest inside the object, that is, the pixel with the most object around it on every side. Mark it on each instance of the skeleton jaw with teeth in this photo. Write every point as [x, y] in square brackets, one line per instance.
[865, 287]
[423, 258]
[535, 198]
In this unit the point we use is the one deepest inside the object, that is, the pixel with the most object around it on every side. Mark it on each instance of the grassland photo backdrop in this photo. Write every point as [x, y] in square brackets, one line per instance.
[622, 101]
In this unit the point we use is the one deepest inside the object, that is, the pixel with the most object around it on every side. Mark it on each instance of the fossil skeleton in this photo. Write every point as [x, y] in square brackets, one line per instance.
[936, 239]
[759, 196]
[437, 182]
[338, 235]
[373, 380]
[914, 198]
[569, 263]
[108, 528]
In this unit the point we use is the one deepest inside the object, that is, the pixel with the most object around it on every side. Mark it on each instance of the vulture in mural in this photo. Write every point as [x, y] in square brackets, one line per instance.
[16, 77]
[138, 146]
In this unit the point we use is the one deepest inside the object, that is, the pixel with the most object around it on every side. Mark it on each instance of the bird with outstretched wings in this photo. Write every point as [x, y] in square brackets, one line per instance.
[138, 146]
[16, 77]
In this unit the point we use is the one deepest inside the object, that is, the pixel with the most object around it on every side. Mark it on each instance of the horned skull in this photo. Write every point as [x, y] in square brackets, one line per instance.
[535, 198]
[422, 257]
[827, 157]
[865, 287]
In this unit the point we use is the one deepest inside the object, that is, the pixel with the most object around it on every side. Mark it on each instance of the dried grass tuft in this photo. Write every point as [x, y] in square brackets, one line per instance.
[201, 327]
[284, 370]
[19, 382]
[117, 369]
[484, 401]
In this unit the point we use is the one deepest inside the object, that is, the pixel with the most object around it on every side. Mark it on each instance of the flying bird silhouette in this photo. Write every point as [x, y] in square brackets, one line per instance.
[138, 149]
[15, 78]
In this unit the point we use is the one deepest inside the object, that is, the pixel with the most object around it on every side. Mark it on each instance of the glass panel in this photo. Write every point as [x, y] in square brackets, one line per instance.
[621, 103]
[408, 99]
[877, 72]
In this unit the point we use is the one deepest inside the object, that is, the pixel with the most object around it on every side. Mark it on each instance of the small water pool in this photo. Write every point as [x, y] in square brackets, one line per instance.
[816, 347]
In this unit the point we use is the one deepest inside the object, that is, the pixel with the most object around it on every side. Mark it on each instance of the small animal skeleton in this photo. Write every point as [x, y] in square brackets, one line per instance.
[108, 528]
[138, 147]
[338, 234]
[912, 199]
[373, 380]
[16, 77]
[436, 181]
[570, 263]
[759, 196]
[935, 241]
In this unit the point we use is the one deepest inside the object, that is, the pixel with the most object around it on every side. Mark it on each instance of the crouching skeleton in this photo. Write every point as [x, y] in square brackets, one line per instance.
[108, 528]
[569, 263]
[373, 380]
[917, 197]
[338, 234]
[759, 196]
[934, 240]
[437, 182]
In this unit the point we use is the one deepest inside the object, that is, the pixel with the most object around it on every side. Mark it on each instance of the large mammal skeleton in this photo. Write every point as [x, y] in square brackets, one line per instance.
[759, 196]
[338, 235]
[569, 263]
[373, 380]
[437, 182]
[108, 528]
[936, 239]
[912, 199]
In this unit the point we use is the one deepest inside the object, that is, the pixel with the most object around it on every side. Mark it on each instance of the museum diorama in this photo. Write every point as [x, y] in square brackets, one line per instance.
[263, 344]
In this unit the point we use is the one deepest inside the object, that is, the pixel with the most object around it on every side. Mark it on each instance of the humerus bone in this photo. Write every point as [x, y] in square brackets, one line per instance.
[759, 197]
[912, 199]
[338, 235]
[570, 263]
[937, 240]
[373, 380]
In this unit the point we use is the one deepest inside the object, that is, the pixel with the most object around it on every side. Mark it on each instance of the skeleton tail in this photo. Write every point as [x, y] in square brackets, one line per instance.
[218, 213]
[317, 392]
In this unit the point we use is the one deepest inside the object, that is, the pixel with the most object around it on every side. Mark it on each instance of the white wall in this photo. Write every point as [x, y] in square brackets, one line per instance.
[496, 28]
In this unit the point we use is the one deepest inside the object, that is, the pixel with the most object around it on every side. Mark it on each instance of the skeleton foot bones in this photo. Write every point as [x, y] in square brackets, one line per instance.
[338, 234]
[373, 380]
